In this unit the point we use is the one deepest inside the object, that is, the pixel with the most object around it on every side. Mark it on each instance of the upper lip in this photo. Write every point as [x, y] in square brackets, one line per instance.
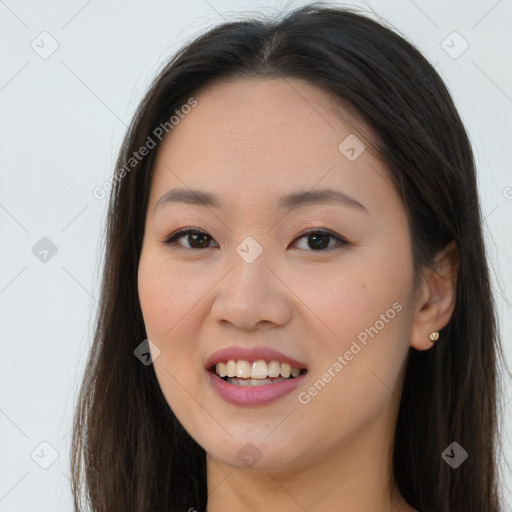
[251, 354]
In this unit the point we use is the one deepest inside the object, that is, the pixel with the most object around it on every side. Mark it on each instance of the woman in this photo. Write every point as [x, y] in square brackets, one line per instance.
[296, 311]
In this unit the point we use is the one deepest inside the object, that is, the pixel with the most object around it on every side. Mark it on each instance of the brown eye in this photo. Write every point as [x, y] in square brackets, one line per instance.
[318, 240]
[197, 239]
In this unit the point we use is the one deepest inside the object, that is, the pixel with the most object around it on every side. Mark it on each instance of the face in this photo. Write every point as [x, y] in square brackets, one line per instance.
[326, 284]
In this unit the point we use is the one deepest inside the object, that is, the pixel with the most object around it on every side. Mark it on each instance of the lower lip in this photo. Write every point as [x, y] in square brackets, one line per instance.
[253, 395]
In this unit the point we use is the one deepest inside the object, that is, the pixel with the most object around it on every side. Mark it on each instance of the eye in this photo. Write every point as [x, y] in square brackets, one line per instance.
[196, 236]
[318, 239]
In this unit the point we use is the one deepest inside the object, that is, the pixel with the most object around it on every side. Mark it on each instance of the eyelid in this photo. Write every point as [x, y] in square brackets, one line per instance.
[172, 239]
[341, 241]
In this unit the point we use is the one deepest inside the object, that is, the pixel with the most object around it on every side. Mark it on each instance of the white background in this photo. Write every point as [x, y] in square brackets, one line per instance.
[61, 124]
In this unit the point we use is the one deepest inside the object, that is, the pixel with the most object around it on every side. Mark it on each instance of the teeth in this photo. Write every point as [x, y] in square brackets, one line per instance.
[253, 382]
[230, 368]
[255, 371]
[274, 369]
[259, 370]
[286, 370]
[243, 369]
[221, 369]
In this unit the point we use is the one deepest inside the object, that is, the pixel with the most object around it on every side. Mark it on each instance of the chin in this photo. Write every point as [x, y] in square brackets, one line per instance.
[254, 455]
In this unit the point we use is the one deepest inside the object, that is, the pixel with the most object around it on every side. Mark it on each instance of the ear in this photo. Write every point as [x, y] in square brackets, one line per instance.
[436, 298]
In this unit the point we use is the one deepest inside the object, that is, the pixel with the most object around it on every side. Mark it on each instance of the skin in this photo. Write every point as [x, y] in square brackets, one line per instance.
[250, 142]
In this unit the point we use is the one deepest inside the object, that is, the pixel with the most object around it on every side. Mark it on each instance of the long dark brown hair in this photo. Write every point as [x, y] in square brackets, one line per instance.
[129, 452]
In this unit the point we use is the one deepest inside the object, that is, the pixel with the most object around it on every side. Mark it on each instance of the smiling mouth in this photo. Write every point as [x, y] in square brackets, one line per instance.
[255, 373]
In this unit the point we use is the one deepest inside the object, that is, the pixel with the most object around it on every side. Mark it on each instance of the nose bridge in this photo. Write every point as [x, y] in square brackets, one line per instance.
[250, 261]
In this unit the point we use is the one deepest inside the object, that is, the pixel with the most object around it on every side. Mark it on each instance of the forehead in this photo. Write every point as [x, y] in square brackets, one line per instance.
[248, 138]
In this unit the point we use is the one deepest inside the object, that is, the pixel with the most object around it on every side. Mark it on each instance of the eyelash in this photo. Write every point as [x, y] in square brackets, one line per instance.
[172, 239]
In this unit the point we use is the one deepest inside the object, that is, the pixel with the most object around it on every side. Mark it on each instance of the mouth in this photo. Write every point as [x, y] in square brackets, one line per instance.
[255, 373]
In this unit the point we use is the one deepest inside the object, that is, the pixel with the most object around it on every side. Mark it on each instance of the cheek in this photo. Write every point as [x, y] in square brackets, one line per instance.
[369, 337]
[352, 301]
[168, 301]
[364, 314]
[166, 295]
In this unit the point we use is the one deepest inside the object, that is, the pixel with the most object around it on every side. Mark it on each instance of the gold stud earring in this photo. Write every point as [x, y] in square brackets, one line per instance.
[434, 336]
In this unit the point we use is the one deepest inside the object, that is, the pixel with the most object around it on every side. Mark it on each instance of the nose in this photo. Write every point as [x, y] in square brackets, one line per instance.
[252, 295]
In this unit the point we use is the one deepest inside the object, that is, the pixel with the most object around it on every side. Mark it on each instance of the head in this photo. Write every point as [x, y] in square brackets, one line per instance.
[350, 289]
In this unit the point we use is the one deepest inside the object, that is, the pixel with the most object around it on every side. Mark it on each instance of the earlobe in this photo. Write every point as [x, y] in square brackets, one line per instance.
[437, 299]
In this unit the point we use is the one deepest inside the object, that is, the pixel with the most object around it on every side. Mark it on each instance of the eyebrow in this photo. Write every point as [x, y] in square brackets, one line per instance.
[292, 200]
